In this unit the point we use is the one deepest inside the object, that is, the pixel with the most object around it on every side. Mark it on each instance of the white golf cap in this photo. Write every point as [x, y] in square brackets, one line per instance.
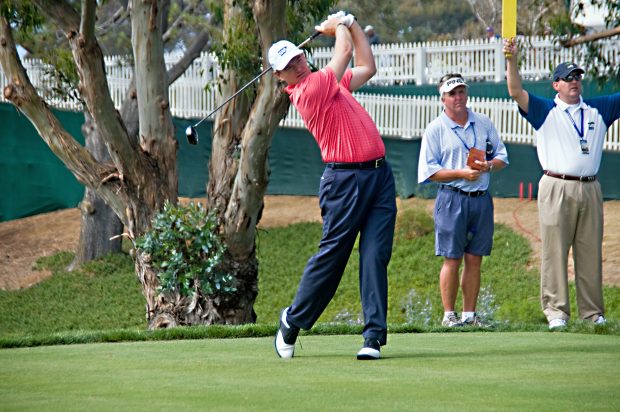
[282, 52]
[368, 28]
[451, 84]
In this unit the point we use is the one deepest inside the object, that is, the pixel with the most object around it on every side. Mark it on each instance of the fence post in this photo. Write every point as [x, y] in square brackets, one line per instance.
[420, 66]
[500, 61]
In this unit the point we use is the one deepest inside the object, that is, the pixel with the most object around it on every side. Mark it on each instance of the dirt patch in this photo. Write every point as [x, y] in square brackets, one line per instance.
[23, 241]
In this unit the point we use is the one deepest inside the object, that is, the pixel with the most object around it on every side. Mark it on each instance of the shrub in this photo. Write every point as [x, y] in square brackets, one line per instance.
[185, 246]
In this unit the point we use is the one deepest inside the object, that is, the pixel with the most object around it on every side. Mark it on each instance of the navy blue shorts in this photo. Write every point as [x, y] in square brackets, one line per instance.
[463, 224]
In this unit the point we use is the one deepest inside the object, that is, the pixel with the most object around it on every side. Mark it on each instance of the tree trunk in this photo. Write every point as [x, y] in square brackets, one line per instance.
[157, 140]
[99, 222]
[238, 169]
[142, 173]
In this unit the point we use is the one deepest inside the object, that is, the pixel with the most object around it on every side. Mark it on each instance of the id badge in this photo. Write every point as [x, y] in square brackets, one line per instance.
[584, 146]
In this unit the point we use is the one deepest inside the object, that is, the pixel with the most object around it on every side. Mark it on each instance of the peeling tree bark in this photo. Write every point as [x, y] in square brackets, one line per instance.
[141, 175]
[100, 228]
[238, 170]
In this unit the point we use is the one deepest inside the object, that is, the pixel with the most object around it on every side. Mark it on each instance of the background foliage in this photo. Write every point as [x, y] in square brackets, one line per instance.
[104, 295]
[185, 246]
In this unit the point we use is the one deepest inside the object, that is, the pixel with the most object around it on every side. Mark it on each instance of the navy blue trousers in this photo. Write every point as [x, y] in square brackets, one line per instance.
[352, 201]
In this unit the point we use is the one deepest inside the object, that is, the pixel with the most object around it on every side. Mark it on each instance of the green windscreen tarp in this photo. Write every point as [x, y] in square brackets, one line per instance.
[33, 180]
[492, 90]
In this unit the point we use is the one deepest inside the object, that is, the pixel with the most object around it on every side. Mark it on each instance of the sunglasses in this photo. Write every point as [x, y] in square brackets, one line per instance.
[571, 77]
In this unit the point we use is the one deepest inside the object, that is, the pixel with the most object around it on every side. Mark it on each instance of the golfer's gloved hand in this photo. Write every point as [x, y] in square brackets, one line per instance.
[346, 19]
[339, 15]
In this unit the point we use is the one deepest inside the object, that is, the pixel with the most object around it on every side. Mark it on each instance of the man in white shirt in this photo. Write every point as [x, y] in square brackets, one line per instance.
[570, 134]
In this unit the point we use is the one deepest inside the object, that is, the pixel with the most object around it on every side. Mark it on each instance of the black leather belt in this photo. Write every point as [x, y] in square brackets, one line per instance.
[371, 164]
[569, 177]
[468, 194]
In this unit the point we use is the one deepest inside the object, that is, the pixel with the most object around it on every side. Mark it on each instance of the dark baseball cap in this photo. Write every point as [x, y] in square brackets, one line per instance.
[564, 69]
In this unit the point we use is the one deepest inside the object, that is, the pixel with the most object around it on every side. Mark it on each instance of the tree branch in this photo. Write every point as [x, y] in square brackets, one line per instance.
[269, 107]
[190, 55]
[591, 37]
[119, 16]
[89, 15]
[59, 11]
[23, 95]
[93, 82]
[168, 34]
[129, 108]
[474, 9]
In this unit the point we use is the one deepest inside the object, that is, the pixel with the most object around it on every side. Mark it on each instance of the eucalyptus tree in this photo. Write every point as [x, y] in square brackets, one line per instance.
[43, 38]
[243, 129]
[141, 175]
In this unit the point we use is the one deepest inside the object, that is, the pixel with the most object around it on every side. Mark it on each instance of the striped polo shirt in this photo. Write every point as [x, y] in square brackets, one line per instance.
[446, 145]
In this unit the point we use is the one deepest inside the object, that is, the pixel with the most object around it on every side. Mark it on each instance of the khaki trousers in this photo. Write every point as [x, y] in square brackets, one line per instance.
[571, 215]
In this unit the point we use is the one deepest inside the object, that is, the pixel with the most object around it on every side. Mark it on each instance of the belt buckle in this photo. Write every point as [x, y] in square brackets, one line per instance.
[377, 163]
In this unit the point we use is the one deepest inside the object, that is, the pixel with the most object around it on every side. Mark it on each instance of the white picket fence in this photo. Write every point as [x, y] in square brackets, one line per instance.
[476, 59]
[396, 116]
[406, 117]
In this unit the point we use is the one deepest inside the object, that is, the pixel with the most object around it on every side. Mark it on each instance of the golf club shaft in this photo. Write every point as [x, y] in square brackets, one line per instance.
[267, 70]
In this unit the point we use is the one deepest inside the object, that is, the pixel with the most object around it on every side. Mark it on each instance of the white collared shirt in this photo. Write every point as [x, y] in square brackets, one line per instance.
[560, 136]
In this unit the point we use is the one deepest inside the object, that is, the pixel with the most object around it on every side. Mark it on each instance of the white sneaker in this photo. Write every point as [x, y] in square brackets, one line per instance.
[370, 351]
[478, 322]
[286, 337]
[557, 323]
[600, 320]
[451, 321]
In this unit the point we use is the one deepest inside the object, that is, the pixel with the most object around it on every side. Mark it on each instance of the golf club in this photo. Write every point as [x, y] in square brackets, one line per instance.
[190, 132]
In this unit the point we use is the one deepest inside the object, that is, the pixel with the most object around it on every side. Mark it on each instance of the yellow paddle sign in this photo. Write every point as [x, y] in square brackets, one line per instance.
[509, 19]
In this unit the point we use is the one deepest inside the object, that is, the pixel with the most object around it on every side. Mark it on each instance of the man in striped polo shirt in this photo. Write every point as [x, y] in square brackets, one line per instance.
[570, 133]
[459, 150]
[356, 192]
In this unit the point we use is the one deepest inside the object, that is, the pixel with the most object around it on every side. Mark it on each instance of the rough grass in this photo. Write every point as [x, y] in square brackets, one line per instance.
[103, 301]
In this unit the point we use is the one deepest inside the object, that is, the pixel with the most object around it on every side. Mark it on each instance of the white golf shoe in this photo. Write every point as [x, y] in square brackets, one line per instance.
[286, 337]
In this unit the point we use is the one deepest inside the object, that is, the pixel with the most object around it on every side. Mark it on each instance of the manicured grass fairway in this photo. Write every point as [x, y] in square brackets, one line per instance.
[431, 371]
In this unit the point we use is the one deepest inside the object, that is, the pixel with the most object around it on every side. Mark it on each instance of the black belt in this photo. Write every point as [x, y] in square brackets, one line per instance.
[569, 177]
[468, 194]
[371, 164]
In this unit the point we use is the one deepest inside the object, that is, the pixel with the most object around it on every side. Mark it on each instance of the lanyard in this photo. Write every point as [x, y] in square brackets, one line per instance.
[579, 132]
[475, 138]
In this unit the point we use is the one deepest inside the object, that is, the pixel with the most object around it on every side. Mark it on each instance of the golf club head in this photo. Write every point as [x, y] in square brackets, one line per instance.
[192, 135]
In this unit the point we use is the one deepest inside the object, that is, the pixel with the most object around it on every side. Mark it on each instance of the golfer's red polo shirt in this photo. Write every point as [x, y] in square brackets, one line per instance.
[343, 129]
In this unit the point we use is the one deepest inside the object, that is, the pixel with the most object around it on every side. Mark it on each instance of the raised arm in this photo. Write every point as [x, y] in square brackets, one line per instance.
[349, 36]
[513, 79]
[365, 66]
[343, 47]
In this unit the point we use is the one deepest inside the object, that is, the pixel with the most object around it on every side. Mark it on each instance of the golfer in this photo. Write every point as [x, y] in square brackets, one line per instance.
[356, 192]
